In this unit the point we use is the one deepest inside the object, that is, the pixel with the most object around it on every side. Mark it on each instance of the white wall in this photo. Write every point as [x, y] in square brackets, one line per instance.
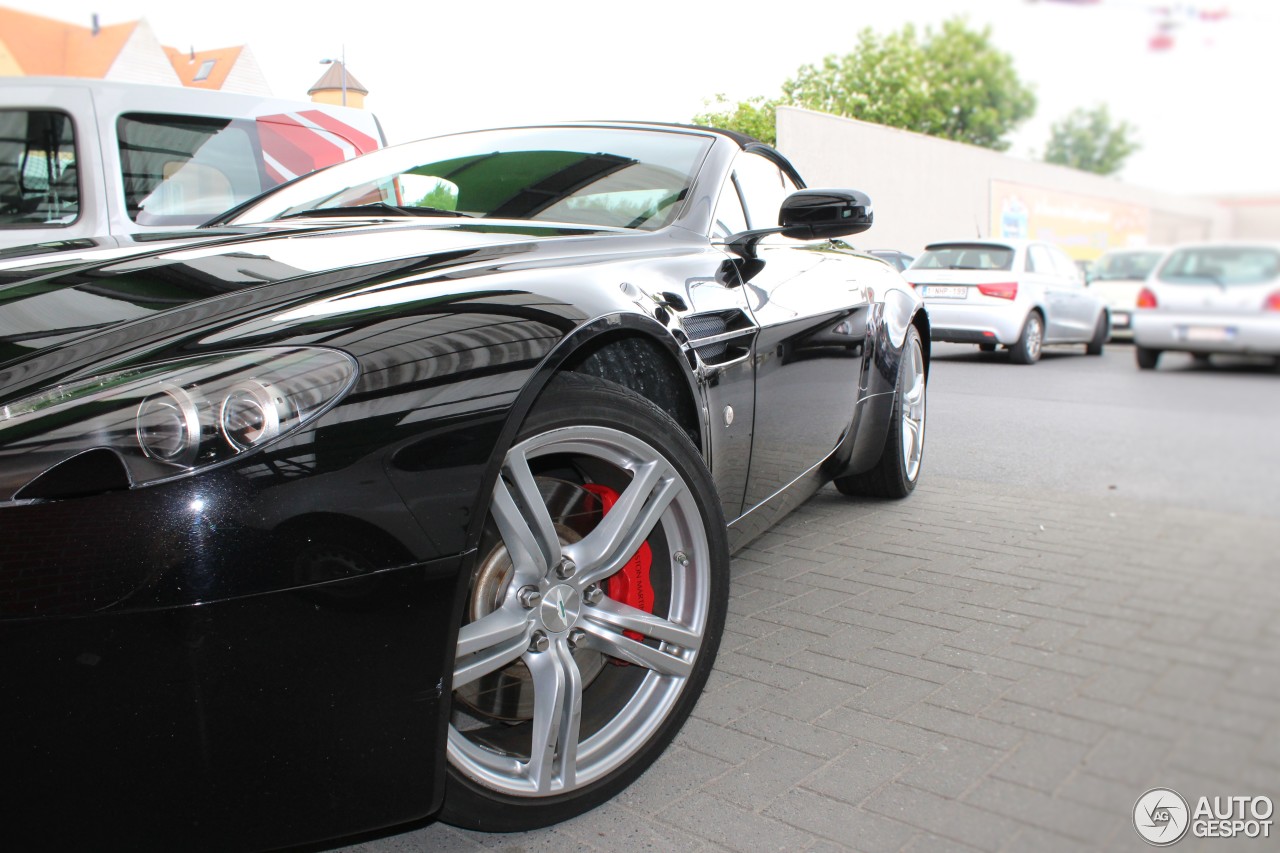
[924, 189]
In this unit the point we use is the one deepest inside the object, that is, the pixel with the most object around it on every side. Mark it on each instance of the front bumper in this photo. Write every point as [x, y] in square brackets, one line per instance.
[143, 714]
[1245, 334]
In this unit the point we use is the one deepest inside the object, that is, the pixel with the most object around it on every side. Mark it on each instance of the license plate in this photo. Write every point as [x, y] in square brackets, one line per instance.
[1120, 320]
[944, 291]
[1215, 334]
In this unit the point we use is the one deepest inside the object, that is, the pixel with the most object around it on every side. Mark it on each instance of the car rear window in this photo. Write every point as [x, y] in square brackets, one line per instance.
[965, 256]
[1221, 265]
[1126, 266]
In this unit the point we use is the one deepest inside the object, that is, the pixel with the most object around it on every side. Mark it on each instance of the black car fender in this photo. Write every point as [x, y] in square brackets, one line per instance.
[631, 349]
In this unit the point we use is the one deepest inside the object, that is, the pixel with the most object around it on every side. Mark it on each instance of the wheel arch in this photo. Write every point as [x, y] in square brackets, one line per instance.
[632, 350]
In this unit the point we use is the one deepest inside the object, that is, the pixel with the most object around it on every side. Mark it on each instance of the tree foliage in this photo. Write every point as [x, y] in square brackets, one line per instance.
[756, 117]
[951, 83]
[1088, 139]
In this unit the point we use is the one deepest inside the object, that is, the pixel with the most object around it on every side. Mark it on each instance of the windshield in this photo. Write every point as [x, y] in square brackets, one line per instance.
[584, 176]
[1221, 265]
[965, 256]
[1126, 266]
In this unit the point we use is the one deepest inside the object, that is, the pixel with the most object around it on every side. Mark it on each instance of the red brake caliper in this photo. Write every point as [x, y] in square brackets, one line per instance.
[631, 584]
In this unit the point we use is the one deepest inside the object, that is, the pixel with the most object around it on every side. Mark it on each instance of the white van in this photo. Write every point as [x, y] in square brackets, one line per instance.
[92, 164]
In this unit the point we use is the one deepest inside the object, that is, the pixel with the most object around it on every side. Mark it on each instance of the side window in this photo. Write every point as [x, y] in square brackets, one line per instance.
[1066, 267]
[729, 217]
[38, 175]
[1039, 260]
[764, 187]
[181, 170]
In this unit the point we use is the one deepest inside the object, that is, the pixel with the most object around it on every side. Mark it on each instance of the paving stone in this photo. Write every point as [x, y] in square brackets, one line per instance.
[941, 816]
[849, 827]
[1042, 762]
[758, 781]
[952, 767]
[859, 771]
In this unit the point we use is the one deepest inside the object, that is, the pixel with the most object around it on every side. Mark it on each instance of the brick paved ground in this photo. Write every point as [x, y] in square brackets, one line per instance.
[977, 668]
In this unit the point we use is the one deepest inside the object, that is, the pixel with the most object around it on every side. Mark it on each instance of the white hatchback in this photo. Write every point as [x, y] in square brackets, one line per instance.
[1211, 298]
[1019, 294]
[1117, 278]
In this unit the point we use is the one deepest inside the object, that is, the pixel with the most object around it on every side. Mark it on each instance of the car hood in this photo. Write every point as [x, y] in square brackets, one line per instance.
[63, 318]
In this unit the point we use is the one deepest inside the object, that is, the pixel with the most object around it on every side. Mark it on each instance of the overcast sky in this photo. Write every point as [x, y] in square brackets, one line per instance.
[1205, 109]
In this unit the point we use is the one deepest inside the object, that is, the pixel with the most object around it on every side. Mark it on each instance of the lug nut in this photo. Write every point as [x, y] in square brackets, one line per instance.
[593, 595]
[566, 569]
[576, 636]
[681, 557]
[529, 597]
[539, 642]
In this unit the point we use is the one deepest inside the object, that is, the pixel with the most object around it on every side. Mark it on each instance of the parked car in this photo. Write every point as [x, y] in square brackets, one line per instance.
[89, 163]
[414, 491]
[1117, 278]
[900, 260]
[1211, 298]
[1019, 294]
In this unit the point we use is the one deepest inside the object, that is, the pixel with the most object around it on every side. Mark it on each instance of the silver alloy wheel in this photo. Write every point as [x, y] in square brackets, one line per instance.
[570, 742]
[1035, 336]
[913, 410]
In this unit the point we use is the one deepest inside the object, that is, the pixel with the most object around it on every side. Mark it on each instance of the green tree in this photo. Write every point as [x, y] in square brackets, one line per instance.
[756, 117]
[1089, 140]
[951, 83]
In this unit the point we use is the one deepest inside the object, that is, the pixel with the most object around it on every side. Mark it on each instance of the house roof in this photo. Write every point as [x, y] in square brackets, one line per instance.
[43, 46]
[331, 80]
[188, 65]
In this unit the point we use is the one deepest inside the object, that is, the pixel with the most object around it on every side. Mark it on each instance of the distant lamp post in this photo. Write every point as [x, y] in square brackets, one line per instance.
[342, 68]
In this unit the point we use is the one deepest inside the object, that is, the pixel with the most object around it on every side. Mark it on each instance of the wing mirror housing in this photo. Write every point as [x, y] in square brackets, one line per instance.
[812, 215]
[824, 214]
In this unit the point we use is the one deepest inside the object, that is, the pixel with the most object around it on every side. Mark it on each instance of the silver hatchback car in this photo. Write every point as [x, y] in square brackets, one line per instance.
[1211, 298]
[1019, 294]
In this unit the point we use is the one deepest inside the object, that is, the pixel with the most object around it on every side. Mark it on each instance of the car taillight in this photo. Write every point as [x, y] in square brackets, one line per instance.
[1003, 290]
[1146, 299]
[1273, 302]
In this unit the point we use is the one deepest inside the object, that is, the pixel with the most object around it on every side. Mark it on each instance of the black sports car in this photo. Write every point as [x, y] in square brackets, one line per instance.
[409, 487]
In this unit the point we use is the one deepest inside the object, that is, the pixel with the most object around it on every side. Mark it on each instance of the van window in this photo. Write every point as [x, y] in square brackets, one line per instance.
[38, 176]
[182, 170]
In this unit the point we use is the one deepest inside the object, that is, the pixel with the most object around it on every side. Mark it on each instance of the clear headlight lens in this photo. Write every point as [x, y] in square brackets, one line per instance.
[166, 420]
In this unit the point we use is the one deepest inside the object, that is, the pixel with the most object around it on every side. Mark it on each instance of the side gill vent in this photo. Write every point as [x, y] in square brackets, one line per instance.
[719, 336]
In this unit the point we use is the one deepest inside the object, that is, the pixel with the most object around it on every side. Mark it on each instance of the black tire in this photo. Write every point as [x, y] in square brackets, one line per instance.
[580, 433]
[1147, 358]
[1100, 334]
[986, 347]
[1027, 349]
[897, 471]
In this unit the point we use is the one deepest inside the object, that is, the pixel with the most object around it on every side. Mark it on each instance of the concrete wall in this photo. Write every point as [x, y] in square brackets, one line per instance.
[925, 189]
[1254, 218]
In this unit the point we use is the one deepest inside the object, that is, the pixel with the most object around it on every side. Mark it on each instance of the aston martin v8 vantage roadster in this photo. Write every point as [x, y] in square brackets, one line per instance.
[409, 488]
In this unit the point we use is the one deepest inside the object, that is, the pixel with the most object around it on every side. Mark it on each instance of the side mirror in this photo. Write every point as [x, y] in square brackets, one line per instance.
[823, 214]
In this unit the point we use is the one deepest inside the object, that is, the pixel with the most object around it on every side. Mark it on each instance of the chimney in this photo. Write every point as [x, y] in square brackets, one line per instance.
[96, 28]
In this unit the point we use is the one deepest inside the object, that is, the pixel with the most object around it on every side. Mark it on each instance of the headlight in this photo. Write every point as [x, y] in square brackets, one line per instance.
[167, 420]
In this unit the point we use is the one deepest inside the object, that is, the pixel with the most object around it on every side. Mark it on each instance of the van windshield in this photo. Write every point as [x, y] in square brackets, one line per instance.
[38, 184]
